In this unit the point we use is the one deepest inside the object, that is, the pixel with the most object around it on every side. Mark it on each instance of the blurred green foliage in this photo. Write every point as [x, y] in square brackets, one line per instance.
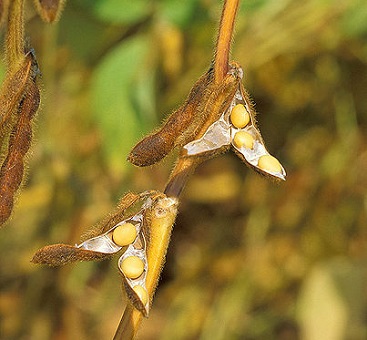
[249, 259]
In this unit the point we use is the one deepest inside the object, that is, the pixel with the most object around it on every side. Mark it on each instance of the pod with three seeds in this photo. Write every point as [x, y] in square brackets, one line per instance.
[237, 127]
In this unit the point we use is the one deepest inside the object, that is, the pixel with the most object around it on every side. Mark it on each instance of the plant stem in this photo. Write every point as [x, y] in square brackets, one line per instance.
[15, 35]
[224, 40]
[186, 166]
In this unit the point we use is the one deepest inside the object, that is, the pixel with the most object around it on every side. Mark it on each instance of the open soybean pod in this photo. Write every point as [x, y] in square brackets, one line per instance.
[237, 127]
[159, 144]
[120, 234]
[96, 248]
[49, 10]
[93, 249]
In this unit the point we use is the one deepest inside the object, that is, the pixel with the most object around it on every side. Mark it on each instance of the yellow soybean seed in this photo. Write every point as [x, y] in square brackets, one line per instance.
[124, 234]
[269, 163]
[243, 139]
[239, 116]
[142, 294]
[132, 267]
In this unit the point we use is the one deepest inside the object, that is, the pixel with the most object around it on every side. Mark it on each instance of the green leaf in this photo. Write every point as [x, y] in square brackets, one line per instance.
[119, 11]
[113, 99]
[179, 13]
[354, 21]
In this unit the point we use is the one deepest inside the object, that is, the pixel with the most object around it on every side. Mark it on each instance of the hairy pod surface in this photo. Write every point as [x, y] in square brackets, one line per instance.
[218, 100]
[61, 254]
[206, 101]
[156, 146]
[112, 219]
[12, 92]
[12, 169]
[163, 216]
[100, 246]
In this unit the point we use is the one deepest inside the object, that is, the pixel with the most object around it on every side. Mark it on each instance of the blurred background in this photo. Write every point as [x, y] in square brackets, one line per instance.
[249, 259]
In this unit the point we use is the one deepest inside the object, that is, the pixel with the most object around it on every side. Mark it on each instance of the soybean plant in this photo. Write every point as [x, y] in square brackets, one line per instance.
[217, 115]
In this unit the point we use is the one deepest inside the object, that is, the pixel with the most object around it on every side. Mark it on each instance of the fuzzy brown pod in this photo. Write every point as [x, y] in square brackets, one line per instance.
[154, 147]
[12, 92]
[203, 105]
[61, 254]
[19, 143]
[49, 10]
[19, 103]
